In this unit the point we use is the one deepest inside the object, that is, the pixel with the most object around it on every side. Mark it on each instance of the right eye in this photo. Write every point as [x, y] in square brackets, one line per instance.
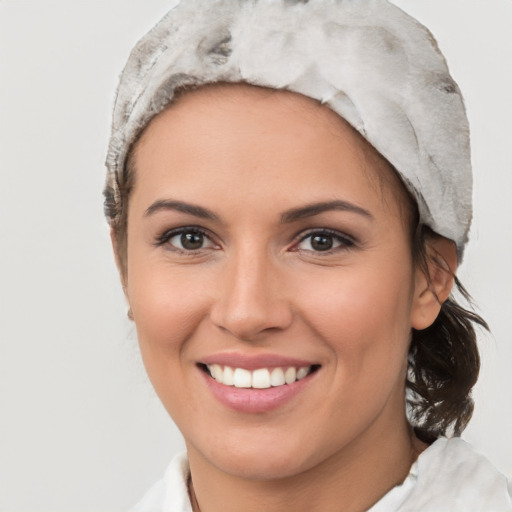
[186, 240]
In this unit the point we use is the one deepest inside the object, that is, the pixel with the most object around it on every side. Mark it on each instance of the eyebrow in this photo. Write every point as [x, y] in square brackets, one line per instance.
[180, 206]
[289, 216]
[313, 209]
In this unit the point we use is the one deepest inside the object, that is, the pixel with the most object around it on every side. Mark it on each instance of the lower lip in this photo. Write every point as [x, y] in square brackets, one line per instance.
[250, 400]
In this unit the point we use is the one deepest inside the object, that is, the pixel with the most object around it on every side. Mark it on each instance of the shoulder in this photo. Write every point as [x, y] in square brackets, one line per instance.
[450, 476]
[170, 494]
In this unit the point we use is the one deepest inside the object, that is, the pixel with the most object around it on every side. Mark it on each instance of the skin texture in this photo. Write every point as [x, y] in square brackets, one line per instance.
[258, 285]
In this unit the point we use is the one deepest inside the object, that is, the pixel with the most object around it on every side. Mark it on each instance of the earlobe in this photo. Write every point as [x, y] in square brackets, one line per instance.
[434, 284]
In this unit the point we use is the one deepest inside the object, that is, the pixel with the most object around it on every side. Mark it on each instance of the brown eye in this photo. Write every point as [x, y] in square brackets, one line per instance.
[323, 241]
[191, 241]
[188, 240]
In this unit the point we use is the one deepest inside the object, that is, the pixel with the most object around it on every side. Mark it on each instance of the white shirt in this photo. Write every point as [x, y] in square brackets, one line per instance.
[449, 476]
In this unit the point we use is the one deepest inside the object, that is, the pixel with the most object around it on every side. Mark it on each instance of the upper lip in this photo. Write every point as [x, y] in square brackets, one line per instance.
[253, 362]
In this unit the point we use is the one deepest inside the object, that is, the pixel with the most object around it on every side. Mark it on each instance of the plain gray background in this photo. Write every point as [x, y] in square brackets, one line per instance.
[80, 427]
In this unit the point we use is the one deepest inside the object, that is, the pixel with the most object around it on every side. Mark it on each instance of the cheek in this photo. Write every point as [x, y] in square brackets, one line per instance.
[363, 315]
[168, 309]
[166, 305]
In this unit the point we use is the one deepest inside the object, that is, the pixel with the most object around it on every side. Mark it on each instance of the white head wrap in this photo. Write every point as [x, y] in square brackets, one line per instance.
[367, 60]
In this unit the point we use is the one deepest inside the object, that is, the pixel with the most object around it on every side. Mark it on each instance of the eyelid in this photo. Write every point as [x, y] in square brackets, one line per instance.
[167, 235]
[346, 241]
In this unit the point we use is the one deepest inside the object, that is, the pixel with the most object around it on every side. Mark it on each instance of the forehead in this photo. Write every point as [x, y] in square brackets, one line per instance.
[213, 122]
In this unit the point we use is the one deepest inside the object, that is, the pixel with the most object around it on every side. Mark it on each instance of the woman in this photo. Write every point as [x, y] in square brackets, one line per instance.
[289, 193]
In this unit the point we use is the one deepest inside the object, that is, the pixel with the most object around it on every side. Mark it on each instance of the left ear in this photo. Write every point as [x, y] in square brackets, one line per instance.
[432, 290]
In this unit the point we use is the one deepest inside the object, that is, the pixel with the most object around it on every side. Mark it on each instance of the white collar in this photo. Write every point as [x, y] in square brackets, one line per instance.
[449, 476]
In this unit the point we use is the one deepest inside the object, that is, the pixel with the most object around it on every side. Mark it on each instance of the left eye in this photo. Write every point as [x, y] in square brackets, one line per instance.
[323, 241]
[189, 240]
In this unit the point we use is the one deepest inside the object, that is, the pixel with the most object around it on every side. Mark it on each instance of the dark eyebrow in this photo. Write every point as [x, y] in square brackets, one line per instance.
[180, 206]
[316, 208]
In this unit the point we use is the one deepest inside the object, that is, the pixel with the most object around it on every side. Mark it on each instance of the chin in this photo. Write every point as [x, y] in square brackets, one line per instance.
[250, 466]
[258, 458]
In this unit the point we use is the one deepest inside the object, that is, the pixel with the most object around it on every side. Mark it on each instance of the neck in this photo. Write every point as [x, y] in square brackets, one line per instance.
[357, 477]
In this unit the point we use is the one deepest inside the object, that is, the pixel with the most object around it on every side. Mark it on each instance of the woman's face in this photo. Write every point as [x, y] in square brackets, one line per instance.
[262, 246]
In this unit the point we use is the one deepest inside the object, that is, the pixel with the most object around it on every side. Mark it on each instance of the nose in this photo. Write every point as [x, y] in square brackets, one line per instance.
[251, 298]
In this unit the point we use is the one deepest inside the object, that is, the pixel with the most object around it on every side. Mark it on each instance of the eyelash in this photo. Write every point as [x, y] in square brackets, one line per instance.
[165, 238]
[345, 241]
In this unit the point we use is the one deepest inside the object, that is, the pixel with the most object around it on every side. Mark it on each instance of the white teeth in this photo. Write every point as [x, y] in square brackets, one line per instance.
[217, 372]
[228, 376]
[290, 375]
[302, 372]
[277, 377]
[262, 378]
[242, 378]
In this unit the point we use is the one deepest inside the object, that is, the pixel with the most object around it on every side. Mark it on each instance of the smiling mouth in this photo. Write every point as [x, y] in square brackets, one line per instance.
[261, 378]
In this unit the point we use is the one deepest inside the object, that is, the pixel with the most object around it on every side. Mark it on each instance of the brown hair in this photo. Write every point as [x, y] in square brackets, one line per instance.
[116, 210]
[443, 363]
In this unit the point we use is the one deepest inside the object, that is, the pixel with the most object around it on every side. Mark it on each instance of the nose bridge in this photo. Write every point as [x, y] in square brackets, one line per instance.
[250, 298]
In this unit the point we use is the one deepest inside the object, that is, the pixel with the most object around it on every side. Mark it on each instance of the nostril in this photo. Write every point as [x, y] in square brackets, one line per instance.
[251, 300]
